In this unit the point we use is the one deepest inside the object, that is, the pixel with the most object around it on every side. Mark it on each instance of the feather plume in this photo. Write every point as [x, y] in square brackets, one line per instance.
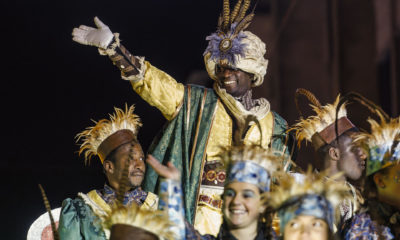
[266, 158]
[220, 21]
[48, 209]
[309, 95]
[372, 107]
[318, 184]
[243, 24]
[243, 10]
[156, 222]
[226, 11]
[325, 116]
[383, 135]
[235, 11]
[356, 97]
[93, 136]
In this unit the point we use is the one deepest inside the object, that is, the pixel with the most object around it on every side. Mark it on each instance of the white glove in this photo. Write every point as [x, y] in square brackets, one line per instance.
[100, 37]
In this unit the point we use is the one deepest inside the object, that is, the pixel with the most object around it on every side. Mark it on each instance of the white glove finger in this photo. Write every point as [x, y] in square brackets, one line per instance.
[99, 23]
[80, 40]
[84, 27]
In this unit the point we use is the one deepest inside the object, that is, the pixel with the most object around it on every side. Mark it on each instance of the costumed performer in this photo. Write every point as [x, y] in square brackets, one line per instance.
[335, 151]
[250, 170]
[115, 142]
[201, 119]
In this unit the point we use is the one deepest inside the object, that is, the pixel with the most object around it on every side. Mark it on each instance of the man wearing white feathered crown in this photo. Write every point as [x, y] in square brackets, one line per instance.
[201, 119]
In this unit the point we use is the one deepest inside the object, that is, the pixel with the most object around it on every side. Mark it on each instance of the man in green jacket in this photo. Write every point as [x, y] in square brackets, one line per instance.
[115, 142]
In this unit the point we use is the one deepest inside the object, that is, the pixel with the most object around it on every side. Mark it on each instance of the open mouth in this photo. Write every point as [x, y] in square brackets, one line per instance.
[237, 211]
[229, 82]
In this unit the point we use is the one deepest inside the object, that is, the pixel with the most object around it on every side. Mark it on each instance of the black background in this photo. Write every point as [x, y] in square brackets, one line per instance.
[51, 87]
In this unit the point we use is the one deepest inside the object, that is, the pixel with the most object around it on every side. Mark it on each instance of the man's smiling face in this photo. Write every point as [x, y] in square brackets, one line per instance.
[235, 81]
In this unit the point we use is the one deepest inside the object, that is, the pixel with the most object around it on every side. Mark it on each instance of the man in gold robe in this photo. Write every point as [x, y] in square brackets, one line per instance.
[201, 120]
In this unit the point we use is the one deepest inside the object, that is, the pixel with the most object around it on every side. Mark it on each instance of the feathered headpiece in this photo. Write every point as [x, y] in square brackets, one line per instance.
[251, 164]
[154, 222]
[383, 142]
[320, 128]
[315, 195]
[231, 46]
[108, 135]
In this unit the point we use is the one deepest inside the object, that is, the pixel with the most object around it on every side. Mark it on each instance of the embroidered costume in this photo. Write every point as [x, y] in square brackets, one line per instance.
[200, 120]
[82, 217]
[380, 220]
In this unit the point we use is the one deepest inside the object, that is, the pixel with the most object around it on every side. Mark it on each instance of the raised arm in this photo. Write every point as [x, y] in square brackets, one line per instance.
[153, 85]
[170, 193]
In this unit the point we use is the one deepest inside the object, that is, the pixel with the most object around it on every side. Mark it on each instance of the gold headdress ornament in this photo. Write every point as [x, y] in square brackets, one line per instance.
[107, 135]
[232, 46]
[315, 195]
[320, 128]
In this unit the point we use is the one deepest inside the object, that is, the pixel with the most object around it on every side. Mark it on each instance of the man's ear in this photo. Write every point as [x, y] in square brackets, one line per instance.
[378, 180]
[334, 153]
[108, 166]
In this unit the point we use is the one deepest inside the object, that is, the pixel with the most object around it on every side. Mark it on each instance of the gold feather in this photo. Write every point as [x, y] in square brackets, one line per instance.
[382, 135]
[220, 21]
[93, 136]
[48, 209]
[156, 222]
[243, 11]
[243, 24]
[354, 96]
[226, 10]
[123, 184]
[236, 10]
[309, 95]
[287, 187]
[325, 116]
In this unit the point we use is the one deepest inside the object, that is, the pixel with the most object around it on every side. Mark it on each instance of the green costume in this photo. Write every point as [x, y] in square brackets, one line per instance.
[177, 139]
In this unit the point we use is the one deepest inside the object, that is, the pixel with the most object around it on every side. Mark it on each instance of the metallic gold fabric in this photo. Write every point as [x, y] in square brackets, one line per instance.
[160, 90]
[208, 219]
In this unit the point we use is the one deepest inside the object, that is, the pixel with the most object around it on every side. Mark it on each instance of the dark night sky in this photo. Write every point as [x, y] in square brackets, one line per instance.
[52, 87]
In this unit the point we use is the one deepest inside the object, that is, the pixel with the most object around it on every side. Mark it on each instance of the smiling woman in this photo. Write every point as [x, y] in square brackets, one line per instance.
[249, 173]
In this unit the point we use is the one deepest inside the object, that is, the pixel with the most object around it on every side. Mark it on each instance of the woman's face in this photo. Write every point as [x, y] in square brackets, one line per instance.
[241, 205]
[306, 227]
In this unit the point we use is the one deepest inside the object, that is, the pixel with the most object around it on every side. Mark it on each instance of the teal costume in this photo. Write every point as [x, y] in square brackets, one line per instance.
[177, 139]
[78, 221]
